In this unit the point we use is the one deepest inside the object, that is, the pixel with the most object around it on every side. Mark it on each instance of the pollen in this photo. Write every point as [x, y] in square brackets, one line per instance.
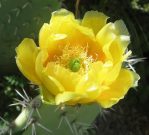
[75, 58]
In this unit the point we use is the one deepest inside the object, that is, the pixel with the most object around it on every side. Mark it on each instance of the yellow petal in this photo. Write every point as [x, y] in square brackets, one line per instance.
[112, 73]
[114, 51]
[47, 39]
[114, 38]
[65, 18]
[25, 59]
[50, 83]
[117, 89]
[64, 29]
[94, 20]
[89, 85]
[123, 33]
[111, 31]
[44, 35]
[67, 78]
[67, 96]
[106, 35]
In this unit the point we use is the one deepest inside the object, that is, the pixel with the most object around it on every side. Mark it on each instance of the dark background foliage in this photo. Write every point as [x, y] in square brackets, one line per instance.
[131, 115]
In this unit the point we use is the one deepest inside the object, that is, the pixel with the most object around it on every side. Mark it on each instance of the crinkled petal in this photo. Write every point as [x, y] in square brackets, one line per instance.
[114, 38]
[111, 31]
[90, 84]
[70, 97]
[106, 35]
[64, 76]
[50, 83]
[25, 59]
[117, 89]
[113, 51]
[44, 35]
[123, 33]
[94, 20]
[48, 40]
[112, 74]
[65, 18]
[63, 30]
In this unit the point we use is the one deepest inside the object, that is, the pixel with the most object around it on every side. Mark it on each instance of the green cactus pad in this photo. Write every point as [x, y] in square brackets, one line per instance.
[20, 19]
[68, 121]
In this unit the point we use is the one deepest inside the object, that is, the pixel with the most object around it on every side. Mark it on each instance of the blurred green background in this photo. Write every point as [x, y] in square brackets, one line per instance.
[23, 18]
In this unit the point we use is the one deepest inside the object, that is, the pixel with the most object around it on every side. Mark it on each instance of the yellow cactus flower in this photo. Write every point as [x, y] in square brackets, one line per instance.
[78, 61]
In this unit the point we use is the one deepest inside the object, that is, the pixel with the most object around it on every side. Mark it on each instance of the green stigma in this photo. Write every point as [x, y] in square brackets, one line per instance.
[74, 65]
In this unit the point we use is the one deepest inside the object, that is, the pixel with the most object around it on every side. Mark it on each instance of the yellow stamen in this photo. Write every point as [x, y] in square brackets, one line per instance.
[74, 58]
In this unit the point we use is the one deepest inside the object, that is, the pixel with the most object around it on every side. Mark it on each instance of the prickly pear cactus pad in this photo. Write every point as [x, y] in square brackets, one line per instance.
[19, 19]
[67, 120]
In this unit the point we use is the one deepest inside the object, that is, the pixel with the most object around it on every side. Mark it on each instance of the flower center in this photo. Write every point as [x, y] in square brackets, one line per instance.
[75, 58]
[74, 65]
